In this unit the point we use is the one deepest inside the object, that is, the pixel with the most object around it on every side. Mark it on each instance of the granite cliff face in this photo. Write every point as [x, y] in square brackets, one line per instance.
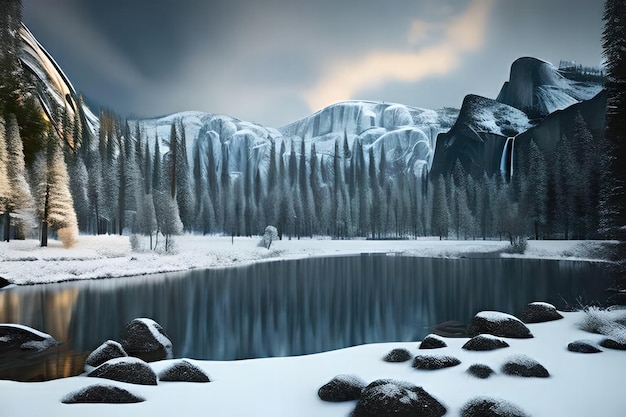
[537, 102]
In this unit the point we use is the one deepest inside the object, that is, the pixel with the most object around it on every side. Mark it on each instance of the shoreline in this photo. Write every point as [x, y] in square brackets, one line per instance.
[110, 256]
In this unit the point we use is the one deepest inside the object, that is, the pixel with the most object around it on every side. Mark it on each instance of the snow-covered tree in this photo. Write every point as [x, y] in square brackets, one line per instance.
[55, 206]
[5, 190]
[270, 235]
[20, 196]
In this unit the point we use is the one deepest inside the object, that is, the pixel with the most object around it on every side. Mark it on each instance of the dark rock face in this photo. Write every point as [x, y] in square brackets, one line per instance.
[106, 351]
[582, 346]
[484, 342]
[398, 355]
[491, 407]
[429, 363]
[183, 371]
[146, 339]
[101, 394]
[13, 336]
[432, 342]
[539, 313]
[342, 388]
[480, 371]
[613, 344]
[498, 324]
[130, 370]
[522, 365]
[389, 398]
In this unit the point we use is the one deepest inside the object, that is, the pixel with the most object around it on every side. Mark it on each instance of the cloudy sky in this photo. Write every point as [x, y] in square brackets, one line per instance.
[275, 61]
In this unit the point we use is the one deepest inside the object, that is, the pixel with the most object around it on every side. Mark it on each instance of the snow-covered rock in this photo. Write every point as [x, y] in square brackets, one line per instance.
[484, 342]
[106, 351]
[491, 407]
[342, 388]
[497, 324]
[129, 370]
[433, 362]
[480, 371]
[183, 371]
[583, 346]
[390, 398]
[146, 339]
[539, 312]
[398, 355]
[432, 341]
[522, 365]
[24, 338]
[99, 393]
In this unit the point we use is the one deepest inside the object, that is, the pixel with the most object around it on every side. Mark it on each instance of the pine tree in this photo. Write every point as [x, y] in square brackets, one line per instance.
[440, 216]
[19, 192]
[614, 192]
[55, 206]
[535, 194]
[5, 191]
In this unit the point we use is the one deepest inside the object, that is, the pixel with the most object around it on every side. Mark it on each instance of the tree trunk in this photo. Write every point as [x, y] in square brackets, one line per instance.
[44, 233]
[7, 225]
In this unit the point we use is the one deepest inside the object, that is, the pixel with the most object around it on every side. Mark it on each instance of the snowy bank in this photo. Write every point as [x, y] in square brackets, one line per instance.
[578, 385]
[24, 262]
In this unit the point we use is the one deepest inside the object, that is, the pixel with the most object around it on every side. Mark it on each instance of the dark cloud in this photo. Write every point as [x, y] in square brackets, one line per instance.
[259, 60]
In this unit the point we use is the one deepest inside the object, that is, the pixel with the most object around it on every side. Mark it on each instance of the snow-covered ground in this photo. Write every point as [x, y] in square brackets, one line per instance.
[24, 262]
[579, 384]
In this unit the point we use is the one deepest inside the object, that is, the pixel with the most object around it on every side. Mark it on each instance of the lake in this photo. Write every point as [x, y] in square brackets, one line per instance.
[290, 307]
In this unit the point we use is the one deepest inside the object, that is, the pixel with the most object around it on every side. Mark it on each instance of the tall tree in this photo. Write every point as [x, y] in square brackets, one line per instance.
[614, 193]
[19, 192]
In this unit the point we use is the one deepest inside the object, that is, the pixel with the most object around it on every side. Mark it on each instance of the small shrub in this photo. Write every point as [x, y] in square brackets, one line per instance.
[135, 242]
[270, 235]
[67, 236]
[518, 245]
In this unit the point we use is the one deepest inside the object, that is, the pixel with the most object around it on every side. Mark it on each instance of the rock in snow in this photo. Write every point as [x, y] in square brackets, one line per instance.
[106, 351]
[498, 324]
[390, 398]
[342, 388]
[491, 407]
[432, 341]
[432, 362]
[539, 313]
[183, 371]
[522, 365]
[16, 336]
[484, 342]
[480, 371]
[101, 394]
[398, 355]
[130, 370]
[583, 346]
[146, 339]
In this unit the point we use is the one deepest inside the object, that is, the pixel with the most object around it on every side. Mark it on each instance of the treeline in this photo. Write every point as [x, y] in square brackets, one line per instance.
[122, 185]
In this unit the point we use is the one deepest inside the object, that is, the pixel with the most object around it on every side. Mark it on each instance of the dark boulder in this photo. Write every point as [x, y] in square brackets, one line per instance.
[433, 341]
[610, 343]
[183, 371]
[431, 362]
[539, 313]
[491, 407]
[480, 371]
[484, 342]
[106, 351]
[342, 388]
[522, 365]
[583, 346]
[101, 394]
[389, 398]
[398, 355]
[130, 370]
[146, 339]
[24, 338]
[498, 324]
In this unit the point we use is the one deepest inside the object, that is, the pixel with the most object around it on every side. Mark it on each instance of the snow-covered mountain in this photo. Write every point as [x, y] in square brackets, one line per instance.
[484, 136]
[537, 88]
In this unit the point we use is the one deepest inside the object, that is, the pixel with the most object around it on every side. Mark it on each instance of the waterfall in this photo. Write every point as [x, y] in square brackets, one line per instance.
[511, 161]
[504, 161]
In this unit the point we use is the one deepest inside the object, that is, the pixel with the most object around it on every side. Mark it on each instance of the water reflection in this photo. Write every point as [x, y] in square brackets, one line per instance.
[299, 306]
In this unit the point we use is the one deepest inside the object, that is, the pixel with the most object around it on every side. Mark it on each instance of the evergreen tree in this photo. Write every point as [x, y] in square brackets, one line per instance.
[614, 192]
[55, 206]
[535, 189]
[20, 197]
[440, 216]
[5, 190]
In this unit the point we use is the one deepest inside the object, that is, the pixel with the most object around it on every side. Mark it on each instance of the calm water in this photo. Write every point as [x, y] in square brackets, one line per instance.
[291, 307]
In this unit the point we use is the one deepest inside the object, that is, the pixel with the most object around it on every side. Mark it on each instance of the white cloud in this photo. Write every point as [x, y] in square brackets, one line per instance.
[459, 35]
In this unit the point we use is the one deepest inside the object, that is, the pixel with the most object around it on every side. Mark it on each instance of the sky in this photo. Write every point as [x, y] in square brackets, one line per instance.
[276, 61]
